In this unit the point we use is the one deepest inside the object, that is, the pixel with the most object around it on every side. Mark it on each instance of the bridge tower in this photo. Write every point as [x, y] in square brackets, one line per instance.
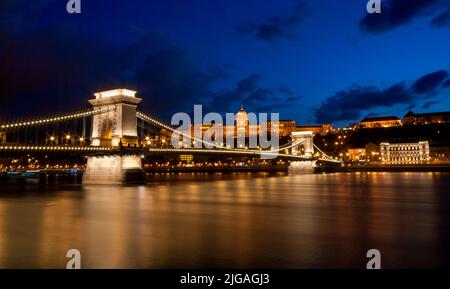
[306, 140]
[118, 125]
[115, 127]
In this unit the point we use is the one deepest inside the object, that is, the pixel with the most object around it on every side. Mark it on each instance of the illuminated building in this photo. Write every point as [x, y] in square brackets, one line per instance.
[440, 155]
[242, 126]
[405, 153]
[285, 127]
[316, 129]
[187, 158]
[241, 119]
[370, 152]
[426, 118]
[356, 154]
[380, 121]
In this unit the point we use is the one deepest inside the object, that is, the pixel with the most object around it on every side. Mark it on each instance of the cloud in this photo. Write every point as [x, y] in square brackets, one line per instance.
[171, 82]
[248, 84]
[260, 95]
[275, 27]
[446, 83]
[227, 100]
[430, 103]
[441, 20]
[47, 67]
[250, 93]
[349, 104]
[54, 69]
[284, 89]
[429, 83]
[396, 13]
[57, 68]
[62, 73]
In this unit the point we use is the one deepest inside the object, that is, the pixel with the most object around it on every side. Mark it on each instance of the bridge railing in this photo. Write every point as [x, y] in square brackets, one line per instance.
[54, 119]
[94, 150]
[61, 148]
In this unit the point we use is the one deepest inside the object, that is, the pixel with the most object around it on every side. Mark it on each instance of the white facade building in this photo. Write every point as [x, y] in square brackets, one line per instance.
[405, 153]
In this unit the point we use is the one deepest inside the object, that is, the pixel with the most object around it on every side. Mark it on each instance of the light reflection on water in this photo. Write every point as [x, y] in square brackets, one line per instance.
[231, 221]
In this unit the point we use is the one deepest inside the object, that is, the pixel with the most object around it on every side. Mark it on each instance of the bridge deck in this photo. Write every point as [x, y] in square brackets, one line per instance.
[88, 150]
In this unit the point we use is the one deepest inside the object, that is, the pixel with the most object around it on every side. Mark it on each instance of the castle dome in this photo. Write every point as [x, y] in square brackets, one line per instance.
[241, 118]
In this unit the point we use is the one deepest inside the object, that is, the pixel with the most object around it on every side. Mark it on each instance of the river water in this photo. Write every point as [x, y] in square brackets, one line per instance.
[231, 221]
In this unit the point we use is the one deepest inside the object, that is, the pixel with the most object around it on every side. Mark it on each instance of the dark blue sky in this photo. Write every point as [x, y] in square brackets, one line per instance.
[313, 61]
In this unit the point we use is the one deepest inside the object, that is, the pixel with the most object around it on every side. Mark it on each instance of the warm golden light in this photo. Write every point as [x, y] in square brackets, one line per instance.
[115, 92]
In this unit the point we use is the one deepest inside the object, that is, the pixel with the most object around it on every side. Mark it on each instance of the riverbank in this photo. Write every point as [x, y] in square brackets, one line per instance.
[221, 169]
[388, 168]
[50, 176]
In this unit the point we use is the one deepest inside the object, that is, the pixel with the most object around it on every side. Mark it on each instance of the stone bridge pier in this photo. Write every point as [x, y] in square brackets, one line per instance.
[114, 128]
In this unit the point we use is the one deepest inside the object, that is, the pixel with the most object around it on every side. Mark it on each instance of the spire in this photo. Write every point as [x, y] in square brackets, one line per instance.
[241, 118]
[410, 113]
